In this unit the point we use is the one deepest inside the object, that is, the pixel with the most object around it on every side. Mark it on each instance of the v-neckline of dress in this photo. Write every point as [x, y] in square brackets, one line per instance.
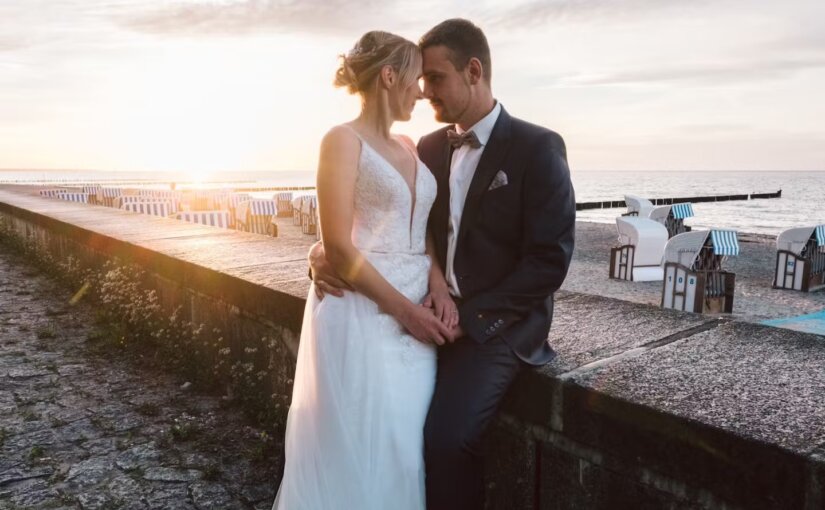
[412, 191]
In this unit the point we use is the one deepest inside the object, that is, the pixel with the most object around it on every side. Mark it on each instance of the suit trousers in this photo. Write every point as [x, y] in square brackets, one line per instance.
[471, 383]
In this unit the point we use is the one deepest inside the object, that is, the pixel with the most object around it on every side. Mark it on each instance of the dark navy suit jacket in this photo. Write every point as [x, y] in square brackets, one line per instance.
[515, 241]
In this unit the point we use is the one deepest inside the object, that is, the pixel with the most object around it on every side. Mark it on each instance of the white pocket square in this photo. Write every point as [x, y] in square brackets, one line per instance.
[499, 181]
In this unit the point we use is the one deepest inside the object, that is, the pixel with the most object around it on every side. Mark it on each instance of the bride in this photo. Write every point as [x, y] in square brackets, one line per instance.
[367, 361]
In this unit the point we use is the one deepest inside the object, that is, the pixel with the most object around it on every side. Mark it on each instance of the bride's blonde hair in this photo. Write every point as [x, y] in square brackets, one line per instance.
[360, 66]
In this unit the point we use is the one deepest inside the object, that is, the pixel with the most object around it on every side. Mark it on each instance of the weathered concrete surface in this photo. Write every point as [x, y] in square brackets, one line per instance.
[735, 412]
[82, 430]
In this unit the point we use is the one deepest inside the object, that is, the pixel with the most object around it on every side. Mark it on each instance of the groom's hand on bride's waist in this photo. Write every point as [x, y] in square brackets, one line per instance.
[322, 273]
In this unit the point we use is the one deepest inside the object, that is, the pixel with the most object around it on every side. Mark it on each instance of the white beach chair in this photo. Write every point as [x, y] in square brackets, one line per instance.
[800, 259]
[694, 279]
[637, 206]
[639, 255]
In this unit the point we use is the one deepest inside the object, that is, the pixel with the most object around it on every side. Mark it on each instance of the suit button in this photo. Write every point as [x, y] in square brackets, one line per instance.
[499, 322]
[481, 316]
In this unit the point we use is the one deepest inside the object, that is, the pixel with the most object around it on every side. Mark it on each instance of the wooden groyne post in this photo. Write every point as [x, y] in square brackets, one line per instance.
[614, 204]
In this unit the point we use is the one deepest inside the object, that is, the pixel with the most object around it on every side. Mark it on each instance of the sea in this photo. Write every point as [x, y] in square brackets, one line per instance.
[802, 202]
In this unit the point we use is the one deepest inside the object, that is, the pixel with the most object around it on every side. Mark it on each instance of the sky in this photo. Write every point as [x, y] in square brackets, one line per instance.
[230, 85]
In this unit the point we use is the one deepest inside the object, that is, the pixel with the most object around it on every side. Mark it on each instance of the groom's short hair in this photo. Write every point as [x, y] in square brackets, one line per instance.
[464, 40]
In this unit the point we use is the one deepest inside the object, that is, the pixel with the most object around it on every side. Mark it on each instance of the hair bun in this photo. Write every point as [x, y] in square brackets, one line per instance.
[359, 67]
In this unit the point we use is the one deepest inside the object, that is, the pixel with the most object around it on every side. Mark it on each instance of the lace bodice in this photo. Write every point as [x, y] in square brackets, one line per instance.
[384, 219]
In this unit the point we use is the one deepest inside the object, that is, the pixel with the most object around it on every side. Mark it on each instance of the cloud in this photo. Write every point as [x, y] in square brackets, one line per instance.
[711, 74]
[538, 12]
[255, 16]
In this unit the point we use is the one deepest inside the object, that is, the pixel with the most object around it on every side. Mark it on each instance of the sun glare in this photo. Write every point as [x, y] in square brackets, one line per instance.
[200, 108]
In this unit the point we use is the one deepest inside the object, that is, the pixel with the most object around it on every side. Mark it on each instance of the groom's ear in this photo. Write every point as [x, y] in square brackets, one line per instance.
[475, 70]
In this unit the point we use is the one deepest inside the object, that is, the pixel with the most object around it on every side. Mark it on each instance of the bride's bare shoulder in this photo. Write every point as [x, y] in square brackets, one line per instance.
[341, 146]
[342, 134]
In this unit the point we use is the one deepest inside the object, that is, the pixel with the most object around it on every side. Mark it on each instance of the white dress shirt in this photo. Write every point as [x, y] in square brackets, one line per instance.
[462, 169]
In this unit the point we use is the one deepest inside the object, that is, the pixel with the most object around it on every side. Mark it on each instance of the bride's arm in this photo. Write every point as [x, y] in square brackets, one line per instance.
[337, 173]
[439, 294]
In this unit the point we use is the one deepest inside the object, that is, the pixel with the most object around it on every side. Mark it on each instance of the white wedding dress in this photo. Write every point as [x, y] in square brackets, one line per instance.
[354, 435]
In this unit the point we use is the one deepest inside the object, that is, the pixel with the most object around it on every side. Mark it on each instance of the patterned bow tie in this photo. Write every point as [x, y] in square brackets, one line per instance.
[468, 137]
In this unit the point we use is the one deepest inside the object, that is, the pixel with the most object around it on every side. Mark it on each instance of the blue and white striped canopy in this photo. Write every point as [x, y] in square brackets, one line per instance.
[74, 197]
[263, 207]
[286, 195]
[151, 208]
[681, 211]
[111, 192]
[724, 242]
[52, 193]
[212, 218]
[820, 235]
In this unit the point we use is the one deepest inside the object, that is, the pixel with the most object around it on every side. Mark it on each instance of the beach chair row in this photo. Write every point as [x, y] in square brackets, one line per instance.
[690, 264]
[218, 208]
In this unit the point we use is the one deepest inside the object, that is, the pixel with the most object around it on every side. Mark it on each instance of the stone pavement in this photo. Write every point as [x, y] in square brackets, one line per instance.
[84, 427]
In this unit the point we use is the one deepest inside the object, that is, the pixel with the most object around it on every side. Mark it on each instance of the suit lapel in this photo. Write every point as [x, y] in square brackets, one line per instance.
[441, 207]
[491, 161]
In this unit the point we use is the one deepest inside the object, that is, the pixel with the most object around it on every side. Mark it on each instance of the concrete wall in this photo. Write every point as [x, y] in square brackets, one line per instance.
[644, 408]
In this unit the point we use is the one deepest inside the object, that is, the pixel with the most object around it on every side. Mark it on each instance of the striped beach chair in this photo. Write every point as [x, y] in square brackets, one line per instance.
[120, 201]
[800, 259]
[82, 198]
[151, 195]
[93, 190]
[154, 208]
[673, 217]
[204, 200]
[52, 193]
[297, 206]
[284, 200]
[230, 203]
[309, 216]
[694, 278]
[255, 215]
[108, 195]
[273, 226]
[218, 219]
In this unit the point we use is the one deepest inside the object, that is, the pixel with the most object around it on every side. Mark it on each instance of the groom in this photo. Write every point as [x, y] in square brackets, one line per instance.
[503, 223]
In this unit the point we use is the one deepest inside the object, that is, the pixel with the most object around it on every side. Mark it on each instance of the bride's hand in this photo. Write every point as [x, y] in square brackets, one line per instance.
[421, 323]
[443, 306]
